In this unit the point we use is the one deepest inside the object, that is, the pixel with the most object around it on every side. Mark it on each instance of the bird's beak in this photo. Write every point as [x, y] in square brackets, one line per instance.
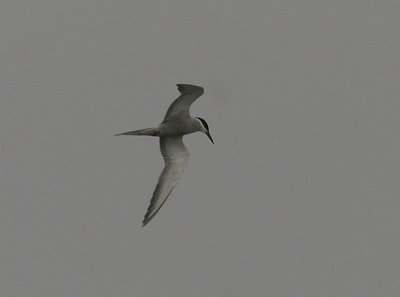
[209, 136]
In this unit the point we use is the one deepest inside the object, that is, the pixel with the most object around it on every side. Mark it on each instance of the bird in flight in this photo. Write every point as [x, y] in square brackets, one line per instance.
[177, 122]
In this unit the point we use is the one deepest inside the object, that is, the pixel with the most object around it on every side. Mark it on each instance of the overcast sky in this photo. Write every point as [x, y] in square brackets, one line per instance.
[299, 197]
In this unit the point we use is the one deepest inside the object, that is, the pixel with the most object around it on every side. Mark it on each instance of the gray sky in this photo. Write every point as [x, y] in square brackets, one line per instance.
[299, 197]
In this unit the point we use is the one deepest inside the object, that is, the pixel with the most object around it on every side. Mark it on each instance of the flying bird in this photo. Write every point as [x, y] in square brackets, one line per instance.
[177, 122]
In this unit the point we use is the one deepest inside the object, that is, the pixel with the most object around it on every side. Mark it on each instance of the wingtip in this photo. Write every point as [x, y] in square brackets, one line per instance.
[182, 88]
[144, 223]
[147, 218]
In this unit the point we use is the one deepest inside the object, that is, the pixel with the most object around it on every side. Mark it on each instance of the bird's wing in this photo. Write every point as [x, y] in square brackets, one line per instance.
[176, 156]
[180, 107]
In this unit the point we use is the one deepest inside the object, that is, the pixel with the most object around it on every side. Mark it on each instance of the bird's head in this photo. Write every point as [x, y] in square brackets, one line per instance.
[204, 128]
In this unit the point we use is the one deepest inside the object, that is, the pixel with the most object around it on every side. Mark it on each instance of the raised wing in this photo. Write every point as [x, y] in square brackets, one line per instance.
[176, 156]
[180, 107]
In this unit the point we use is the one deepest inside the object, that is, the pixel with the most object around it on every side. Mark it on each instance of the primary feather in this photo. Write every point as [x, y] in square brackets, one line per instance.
[176, 156]
[180, 107]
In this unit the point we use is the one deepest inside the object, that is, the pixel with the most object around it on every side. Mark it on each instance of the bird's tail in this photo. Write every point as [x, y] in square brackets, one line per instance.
[148, 131]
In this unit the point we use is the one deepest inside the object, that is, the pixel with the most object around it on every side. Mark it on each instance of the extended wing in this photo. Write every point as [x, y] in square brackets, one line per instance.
[176, 156]
[180, 107]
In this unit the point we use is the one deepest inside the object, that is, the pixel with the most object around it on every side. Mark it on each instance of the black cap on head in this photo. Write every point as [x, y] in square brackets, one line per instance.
[204, 123]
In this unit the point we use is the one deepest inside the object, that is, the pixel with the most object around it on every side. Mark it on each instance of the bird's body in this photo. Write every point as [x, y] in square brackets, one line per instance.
[177, 122]
[178, 127]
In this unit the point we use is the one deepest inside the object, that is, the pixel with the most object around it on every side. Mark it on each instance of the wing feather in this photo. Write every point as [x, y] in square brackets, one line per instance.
[176, 156]
[180, 107]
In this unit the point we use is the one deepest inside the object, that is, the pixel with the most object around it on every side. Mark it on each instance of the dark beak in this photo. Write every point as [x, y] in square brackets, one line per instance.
[209, 136]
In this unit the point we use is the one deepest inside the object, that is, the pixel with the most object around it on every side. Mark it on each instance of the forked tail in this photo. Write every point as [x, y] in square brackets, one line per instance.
[148, 131]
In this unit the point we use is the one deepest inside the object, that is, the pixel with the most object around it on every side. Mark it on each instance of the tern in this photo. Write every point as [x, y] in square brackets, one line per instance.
[177, 122]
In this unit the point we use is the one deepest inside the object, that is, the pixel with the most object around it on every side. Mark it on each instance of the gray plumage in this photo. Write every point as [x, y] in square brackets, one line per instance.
[177, 122]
